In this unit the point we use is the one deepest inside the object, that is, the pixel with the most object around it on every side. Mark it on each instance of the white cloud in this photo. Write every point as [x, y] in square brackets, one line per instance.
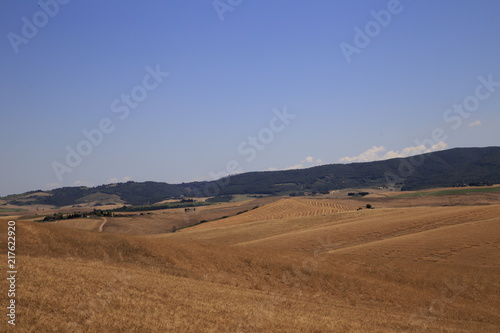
[475, 123]
[371, 154]
[308, 162]
[82, 183]
[199, 179]
[54, 185]
[376, 153]
[296, 166]
[117, 180]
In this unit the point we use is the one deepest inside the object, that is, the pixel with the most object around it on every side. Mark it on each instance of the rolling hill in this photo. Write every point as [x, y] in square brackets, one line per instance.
[438, 169]
[291, 265]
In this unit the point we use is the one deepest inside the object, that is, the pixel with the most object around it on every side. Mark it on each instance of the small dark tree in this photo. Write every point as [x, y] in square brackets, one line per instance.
[368, 206]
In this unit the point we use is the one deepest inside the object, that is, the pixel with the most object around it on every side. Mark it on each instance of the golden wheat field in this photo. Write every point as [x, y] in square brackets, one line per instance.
[288, 265]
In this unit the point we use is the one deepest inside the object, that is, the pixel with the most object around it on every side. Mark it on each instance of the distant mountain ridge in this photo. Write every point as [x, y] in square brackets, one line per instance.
[438, 169]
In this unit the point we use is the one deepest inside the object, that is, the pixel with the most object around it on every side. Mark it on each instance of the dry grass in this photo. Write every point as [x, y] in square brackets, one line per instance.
[284, 209]
[164, 221]
[91, 224]
[432, 269]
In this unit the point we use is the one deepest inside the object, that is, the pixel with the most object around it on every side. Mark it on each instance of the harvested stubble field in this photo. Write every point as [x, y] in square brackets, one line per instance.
[291, 265]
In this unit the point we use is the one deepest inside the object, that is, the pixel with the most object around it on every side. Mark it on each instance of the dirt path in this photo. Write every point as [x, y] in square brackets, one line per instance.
[104, 220]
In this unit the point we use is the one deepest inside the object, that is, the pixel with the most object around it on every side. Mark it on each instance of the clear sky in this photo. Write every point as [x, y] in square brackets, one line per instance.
[251, 85]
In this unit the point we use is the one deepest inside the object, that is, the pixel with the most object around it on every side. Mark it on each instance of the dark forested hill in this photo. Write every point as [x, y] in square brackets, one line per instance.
[444, 168]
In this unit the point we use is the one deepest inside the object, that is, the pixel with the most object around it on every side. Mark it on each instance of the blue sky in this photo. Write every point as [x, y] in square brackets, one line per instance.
[233, 66]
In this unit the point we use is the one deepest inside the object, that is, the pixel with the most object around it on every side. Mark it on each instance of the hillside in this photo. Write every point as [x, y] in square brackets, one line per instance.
[291, 265]
[439, 169]
[283, 209]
